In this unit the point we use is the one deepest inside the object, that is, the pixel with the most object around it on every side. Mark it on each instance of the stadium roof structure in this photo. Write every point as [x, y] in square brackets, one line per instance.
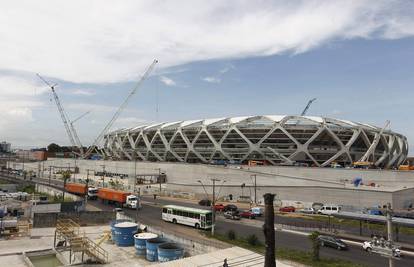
[275, 139]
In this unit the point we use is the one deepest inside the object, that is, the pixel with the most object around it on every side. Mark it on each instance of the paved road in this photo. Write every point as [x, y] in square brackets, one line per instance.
[151, 215]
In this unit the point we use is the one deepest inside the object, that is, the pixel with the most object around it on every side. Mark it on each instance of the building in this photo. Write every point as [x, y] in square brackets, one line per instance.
[5, 147]
[271, 139]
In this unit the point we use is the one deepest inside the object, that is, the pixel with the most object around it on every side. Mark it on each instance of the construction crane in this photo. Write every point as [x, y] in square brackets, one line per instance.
[60, 109]
[308, 106]
[75, 134]
[120, 109]
[374, 144]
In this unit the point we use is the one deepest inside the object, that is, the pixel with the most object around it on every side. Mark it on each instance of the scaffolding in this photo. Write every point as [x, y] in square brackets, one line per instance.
[69, 237]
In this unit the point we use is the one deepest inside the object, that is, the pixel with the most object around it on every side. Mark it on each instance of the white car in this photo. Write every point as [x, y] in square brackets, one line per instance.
[367, 246]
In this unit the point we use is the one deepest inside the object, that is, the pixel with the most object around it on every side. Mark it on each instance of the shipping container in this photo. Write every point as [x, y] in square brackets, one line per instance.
[112, 195]
[79, 189]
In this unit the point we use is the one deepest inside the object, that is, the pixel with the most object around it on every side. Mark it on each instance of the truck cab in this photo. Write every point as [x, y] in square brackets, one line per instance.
[133, 202]
[92, 193]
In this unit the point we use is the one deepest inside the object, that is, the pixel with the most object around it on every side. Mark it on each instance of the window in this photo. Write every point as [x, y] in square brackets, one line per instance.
[197, 216]
[191, 215]
[328, 208]
[174, 212]
[185, 214]
[164, 210]
[334, 208]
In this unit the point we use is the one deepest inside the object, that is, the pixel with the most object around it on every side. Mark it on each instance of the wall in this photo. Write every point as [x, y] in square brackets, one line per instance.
[326, 185]
[83, 218]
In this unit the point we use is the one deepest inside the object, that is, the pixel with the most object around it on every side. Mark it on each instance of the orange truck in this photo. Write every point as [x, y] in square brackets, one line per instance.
[112, 195]
[78, 189]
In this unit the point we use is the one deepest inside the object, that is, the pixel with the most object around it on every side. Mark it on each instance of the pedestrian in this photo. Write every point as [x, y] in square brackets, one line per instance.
[225, 263]
[155, 196]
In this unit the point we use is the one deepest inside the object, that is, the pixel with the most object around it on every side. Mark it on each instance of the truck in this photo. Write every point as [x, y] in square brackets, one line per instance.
[132, 202]
[113, 196]
[92, 193]
[77, 189]
[82, 190]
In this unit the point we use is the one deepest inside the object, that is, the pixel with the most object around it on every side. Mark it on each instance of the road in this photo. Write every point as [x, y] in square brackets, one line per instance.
[150, 214]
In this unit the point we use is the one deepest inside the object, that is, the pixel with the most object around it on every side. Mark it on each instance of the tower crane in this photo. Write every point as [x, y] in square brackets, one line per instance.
[75, 134]
[120, 109]
[60, 109]
[308, 106]
[374, 144]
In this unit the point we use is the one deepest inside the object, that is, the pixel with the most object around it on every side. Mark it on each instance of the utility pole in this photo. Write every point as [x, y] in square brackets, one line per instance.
[50, 174]
[269, 230]
[135, 174]
[213, 203]
[103, 175]
[389, 232]
[159, 178]
[87, 186]
[255, 187]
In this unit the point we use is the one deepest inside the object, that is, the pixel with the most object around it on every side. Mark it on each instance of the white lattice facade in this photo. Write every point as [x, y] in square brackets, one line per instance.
[274, 139]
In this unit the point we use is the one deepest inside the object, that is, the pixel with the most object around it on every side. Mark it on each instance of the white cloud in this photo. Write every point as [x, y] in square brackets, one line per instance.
[211, 79]
[84, 92]
[95, 41]
[167, 81]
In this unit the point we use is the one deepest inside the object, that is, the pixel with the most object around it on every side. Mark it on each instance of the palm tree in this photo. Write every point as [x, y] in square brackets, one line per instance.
[315, 245]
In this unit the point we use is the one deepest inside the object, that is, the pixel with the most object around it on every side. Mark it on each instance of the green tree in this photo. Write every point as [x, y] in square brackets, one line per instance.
[65, 177]
[53, 148]
[313, 237]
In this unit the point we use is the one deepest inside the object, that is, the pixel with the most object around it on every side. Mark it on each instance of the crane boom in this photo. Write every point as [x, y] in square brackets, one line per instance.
[60, 109]
[75, 134]
[308, 106]
[374, 144]
[120, 109]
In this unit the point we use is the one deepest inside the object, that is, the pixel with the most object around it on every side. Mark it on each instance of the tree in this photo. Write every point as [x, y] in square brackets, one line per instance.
[315, 245]
[65, 177]
[53, 148]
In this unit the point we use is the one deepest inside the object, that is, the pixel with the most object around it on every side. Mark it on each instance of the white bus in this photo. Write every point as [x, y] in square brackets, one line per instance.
[197, 218]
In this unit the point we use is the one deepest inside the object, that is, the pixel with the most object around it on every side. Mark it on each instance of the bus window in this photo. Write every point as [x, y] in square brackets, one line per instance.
[164, 210]
[208, 218]
[185, 214]
[174, 212]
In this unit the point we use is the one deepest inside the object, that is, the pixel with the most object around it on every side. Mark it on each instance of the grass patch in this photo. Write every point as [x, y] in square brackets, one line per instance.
[287, 254]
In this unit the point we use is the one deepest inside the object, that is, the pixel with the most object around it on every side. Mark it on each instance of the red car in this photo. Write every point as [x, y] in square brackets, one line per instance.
[287, 209]
[218, 207]
[247, 214]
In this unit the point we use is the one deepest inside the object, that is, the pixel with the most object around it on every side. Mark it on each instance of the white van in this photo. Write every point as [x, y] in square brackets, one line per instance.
[329, 209]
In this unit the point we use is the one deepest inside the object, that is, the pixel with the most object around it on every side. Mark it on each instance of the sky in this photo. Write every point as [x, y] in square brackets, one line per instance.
[216, 59]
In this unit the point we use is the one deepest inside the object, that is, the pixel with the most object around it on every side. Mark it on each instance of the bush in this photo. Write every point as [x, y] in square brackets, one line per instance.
[253, 240]
[231, 235]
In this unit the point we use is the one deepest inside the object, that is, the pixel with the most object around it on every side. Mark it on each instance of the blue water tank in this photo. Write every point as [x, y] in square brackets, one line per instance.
[141, 242]
[124, 233]
[169, 252]
[152, 248]
[113, 227]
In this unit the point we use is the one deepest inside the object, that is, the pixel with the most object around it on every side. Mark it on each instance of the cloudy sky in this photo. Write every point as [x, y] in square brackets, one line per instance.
[216, 58]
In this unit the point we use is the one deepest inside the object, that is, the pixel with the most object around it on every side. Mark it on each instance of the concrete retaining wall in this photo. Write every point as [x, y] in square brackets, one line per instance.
[84, 218]
[325, 185]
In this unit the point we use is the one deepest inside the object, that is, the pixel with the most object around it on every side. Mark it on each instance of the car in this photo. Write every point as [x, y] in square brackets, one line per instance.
[367, 246]
[308, 211]
[233, 215]
[247, 214]
[257, 211]
[204, 202]
[219, 207]
[329, 209]
[287, 209]
[333, 242]
[230, 207]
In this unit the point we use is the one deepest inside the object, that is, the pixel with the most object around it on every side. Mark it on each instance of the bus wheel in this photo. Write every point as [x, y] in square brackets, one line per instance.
[197, 226]
[174, 221]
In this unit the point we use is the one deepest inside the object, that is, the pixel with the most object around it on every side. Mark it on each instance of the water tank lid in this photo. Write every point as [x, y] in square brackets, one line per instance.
[126, 225]
[145, 236]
